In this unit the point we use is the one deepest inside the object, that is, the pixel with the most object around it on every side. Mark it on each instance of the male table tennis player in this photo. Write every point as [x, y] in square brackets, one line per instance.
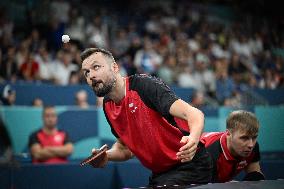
[150, 122]
[236, 149]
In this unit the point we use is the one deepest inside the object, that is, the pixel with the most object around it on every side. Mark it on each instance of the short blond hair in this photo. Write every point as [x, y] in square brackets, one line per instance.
[244, 121]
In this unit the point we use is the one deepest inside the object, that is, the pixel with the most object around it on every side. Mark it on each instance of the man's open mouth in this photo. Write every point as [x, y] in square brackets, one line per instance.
[96, 83]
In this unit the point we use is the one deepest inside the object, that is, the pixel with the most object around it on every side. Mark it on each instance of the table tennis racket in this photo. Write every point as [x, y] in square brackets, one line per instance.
[94, 157]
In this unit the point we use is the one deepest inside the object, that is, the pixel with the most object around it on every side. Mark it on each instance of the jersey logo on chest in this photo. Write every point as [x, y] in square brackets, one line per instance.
[242, 164]
[132, 107]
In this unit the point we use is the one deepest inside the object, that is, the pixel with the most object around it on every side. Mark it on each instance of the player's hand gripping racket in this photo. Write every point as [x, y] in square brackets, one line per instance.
[95, 158]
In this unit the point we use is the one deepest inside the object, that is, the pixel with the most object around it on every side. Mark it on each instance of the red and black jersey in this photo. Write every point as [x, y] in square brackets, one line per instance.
[226, 167]
[143, 122]
[59, 138]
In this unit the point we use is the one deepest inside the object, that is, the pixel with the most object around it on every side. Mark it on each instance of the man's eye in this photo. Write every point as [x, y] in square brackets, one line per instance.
[96, 67]
[87, 73]
[244, 138]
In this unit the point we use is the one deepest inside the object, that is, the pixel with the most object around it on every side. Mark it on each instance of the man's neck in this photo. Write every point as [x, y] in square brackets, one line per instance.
[119, 90]
[49, 131]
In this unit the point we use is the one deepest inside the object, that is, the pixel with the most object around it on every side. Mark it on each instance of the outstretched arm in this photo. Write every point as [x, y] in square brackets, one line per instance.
[195, 120]
[118, 152]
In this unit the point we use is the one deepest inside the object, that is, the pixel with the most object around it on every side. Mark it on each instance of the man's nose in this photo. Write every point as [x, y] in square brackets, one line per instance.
[250, 143]
[92, 74]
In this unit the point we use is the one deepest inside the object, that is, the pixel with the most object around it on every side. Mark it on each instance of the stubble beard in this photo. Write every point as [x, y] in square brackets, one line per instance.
[105, 89]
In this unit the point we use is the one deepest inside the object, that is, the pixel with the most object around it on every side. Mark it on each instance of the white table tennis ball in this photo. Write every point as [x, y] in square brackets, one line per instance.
[65, 38]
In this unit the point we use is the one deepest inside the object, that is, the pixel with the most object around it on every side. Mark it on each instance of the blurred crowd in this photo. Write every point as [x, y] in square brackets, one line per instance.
[185, 44]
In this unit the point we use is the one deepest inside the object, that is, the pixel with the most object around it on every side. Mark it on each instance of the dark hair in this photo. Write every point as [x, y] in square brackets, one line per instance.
[242, 120]
[45, 107]
[88, 52]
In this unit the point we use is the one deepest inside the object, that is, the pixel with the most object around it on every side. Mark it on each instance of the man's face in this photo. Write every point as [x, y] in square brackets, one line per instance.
[240, 143]
[50, 118]
[99, 73]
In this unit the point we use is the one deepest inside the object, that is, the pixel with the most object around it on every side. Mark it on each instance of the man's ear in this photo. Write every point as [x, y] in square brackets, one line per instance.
[115, 67]
[228, 132]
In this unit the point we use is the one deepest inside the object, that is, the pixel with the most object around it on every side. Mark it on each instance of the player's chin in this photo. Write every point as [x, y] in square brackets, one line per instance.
[246, 153]
[96, 87]
[97, 91]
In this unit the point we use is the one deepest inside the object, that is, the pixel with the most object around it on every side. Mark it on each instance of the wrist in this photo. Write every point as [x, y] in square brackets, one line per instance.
[108, 154]
[196, 138]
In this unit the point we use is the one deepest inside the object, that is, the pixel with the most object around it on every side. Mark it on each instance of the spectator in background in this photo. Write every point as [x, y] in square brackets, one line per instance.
[237, 69]
[45, 64]
[60, 9]
[225, 86]
[34, 40]
[203, 75]
[74, 78]
[37, 102]
[30, 68]
[8, 67]
[8, 96]
[122, 42]
[167, 70]
[147, 60]
[75, 27]
[186, 78]
[82, 99]
[63, 67]
[49, 144]
[198, 100]
[22, 53]
[97, 32]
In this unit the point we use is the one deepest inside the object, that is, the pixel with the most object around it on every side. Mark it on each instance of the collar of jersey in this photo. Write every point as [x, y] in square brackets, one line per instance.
[226, 152]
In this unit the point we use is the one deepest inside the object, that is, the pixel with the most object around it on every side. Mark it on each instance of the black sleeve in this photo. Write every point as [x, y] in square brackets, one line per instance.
[33, 139]
[254, 176]
[114, 132]
[256, 157]
[67, 138]
[154, 93]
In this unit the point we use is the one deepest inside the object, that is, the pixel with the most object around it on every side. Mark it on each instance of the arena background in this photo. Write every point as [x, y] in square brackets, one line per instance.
[217, 55]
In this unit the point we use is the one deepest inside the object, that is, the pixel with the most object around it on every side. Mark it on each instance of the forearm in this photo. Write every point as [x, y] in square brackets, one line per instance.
[193, 116]
[196, 124]
[62, 151]
[119, 152]
[42, 154]
[195, 121]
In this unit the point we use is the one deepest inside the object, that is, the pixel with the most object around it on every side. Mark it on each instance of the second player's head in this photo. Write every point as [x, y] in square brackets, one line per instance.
[242, 127]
